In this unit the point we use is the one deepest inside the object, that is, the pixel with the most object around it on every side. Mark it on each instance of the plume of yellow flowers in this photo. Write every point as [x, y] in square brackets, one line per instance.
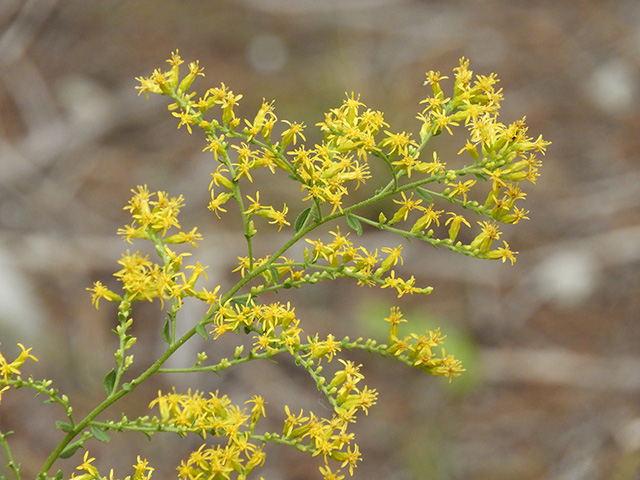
[423, 197]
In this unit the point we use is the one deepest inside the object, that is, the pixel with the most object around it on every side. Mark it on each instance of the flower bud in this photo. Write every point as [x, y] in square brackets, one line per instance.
[222, 180]
[194, 70]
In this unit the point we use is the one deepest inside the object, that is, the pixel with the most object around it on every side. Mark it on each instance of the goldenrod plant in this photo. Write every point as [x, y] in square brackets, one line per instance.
[420, 198]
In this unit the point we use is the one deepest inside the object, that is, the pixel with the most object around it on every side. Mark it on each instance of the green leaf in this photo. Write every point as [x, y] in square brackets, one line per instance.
[424, 194]
[99, 434]
[64, 426]
[166, 331]
[109, 381]
[301, 219]
[59, 475]
[354, 223]
[275, 276]
[70, 450]
[200, 330]
[127, 387]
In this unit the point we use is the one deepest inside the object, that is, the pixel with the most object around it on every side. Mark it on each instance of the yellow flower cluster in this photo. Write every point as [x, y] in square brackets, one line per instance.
[326, 437]
[366, 266]
[417, 350]
[323, 171]
[142, 471]
[339, 257]
[276, 329]
[267, 320]
[153, 217]
[9, 369]
[154, 214]
[502, 154]
[216, 416]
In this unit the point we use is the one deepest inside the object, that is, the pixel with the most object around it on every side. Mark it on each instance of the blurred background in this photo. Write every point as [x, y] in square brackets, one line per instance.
[551, 344]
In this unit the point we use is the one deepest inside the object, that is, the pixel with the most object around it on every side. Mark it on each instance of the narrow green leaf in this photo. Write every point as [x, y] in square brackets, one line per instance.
[301, 219]
[424, 194]
[166, 332]
[275, 276]
[64, 426]
[200, 330]
[354, 223]
[69, 451]
[100, 434]
[109, 381]
[241, 300]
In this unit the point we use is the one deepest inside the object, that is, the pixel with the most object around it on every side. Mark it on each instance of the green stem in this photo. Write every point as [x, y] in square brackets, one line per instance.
[110, 400]
[223, 365]
[15, 468]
